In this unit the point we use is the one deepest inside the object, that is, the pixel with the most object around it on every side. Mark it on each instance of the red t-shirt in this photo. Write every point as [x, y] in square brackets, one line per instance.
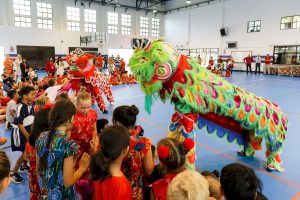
[211, 62]
[113, 188]
[99, 61]
[248, 60]
[267, 60]
[50, 67]
[123, 64]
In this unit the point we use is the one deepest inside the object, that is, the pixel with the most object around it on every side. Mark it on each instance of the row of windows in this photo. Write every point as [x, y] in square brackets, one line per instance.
[291, 22]
[22, 18]
[113, 22]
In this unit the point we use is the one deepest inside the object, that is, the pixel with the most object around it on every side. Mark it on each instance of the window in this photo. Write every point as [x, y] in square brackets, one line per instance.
[112, 29]
[112, 21]
[205, 54]
[22, 13]
[126, 24]
[73, 19]
[286, 55]
[44, 14]
[292, 22]
[155, 27]
[73, 26]
[90, 27]
[144, 26]
[254, 26]
[90, 20]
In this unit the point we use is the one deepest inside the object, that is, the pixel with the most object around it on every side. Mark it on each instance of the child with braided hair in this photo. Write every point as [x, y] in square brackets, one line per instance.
[56, 154]
[172, 156]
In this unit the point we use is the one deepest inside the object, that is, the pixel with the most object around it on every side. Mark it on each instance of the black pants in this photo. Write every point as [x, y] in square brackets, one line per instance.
[248, 66]
[257, 66]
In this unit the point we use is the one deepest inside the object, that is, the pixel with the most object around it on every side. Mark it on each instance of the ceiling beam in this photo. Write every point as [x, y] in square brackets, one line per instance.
[112, 4]
[192, 5]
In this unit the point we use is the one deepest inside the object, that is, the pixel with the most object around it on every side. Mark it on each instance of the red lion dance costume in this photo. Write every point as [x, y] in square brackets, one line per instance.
[85, 75]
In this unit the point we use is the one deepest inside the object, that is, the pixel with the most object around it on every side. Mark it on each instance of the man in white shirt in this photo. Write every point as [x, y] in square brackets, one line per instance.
[52, 91]
[257, 63]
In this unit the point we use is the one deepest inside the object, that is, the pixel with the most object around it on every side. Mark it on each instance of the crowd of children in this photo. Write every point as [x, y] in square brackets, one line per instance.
[220, 68]
[68, 153]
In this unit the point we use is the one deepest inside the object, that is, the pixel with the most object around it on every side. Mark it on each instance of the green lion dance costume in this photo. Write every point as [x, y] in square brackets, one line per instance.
[207, 101]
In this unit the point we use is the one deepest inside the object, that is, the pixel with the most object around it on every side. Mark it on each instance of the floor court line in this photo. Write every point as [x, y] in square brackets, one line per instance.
[296, 197]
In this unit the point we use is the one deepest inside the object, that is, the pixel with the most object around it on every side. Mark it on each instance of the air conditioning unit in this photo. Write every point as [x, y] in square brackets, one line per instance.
[231, 45]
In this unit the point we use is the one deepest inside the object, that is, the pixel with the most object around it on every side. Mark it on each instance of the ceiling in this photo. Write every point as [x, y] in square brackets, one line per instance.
[162, 6]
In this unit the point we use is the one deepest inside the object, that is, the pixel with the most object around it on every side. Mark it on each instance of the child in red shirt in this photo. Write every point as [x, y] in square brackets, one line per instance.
[109, 181]
[172, 156]
[83, 132]
[124, 77]
[123, 65]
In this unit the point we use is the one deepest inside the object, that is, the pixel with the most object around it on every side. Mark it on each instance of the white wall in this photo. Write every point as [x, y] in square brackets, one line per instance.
[206, 21]
[10, 36]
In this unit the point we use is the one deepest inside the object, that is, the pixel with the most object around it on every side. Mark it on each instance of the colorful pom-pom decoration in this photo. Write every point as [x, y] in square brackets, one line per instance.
[188, 143]
[163, 152]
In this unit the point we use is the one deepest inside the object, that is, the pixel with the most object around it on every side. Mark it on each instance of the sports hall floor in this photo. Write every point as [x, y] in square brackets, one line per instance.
[214, 153]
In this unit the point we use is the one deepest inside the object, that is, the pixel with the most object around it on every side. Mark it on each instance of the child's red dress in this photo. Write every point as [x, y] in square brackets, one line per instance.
[34, 187]
[160, 187]
[83, 133]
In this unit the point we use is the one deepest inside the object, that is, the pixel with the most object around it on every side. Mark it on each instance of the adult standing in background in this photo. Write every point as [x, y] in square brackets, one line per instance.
[248, 60]
[24, 68]
[17, 69]
[230, 63]
[268, 61]
[50, 69]
[257, 63]
[105, 62]
[59, 64]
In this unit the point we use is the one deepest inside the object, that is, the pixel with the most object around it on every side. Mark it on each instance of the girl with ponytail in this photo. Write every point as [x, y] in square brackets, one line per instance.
[109, 181]
[172, 155]
[56, 154]
[139, 161]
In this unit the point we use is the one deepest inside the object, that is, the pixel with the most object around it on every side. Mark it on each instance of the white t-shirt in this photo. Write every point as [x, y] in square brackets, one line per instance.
[52, 92]
[11, 105]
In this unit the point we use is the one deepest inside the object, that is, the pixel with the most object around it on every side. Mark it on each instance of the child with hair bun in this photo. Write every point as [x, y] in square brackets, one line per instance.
[172, 156]
[109, 182]
[139, 162]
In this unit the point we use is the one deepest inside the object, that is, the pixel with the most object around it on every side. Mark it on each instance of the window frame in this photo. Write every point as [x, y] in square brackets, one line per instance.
[155, 27]
[90, 20]
[292, 22]
[74, 19]
[126, 24]
[113, 23]
[42, 18]
[144, 26]
[23, 18]
[255, 26]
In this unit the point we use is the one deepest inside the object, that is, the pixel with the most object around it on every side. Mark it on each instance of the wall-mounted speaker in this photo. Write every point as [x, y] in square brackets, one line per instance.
[223, 32]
